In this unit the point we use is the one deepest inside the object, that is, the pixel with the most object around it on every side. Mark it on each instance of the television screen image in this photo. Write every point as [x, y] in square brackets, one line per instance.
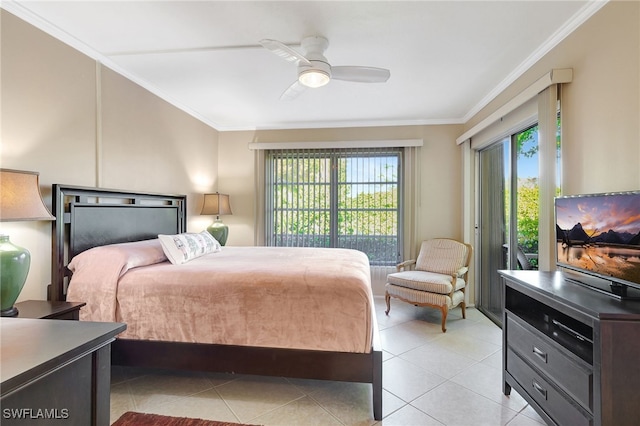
[600, 235]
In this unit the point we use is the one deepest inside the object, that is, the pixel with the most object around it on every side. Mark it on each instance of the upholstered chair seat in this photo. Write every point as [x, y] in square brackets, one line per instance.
[436, 279]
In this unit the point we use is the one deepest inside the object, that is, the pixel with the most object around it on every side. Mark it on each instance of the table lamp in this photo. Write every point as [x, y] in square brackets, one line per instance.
[217, 204]
[20, 199]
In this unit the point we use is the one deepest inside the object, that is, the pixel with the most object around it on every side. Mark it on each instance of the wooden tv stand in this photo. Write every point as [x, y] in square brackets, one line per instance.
[573, 353]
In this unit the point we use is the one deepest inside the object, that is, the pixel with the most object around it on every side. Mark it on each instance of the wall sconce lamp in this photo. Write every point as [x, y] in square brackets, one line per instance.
[20, 199]
[217, 204]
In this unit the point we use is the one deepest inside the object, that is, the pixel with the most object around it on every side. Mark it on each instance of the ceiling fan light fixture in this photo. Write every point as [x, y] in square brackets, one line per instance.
[314, 78]
[314, 70]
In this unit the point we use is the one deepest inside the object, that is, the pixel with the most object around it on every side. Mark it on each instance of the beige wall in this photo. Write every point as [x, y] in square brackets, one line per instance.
[601, 106]
[79, 123]
[149, 145]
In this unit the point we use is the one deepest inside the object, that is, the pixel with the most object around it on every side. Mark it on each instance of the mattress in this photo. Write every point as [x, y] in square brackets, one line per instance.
[300, 298]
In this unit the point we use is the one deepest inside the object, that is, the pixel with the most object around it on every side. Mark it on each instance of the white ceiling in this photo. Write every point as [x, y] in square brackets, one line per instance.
[447, 59]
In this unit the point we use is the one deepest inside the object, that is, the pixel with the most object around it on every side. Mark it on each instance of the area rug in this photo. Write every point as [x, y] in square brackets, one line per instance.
[131, 418]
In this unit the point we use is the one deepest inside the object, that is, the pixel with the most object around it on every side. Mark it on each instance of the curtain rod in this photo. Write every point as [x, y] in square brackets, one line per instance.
[337, 144]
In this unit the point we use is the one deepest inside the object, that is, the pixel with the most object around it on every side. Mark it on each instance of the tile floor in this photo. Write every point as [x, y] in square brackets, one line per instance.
[429, 378]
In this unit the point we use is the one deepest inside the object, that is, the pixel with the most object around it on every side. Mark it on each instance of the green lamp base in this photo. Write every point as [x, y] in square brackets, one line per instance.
[219, 231]
[11, 312]
[14, 264]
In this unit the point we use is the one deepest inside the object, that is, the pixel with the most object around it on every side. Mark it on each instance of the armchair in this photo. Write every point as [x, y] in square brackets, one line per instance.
[437, 279]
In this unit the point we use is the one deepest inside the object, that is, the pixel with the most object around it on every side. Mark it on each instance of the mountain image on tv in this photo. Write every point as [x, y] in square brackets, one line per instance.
[577, 235]
[600, 235]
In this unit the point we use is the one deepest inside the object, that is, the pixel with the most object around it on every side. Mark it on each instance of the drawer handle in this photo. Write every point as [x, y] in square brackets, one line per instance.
[542, 391]
[540, 354]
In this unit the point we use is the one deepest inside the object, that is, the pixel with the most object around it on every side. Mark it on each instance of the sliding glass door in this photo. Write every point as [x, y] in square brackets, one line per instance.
[509, 206]
[493, 224]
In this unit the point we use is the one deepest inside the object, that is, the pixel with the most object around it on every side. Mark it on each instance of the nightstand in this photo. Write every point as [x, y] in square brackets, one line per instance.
[47, 309]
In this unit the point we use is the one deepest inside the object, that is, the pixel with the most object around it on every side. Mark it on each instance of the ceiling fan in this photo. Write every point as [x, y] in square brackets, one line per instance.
[314, 69]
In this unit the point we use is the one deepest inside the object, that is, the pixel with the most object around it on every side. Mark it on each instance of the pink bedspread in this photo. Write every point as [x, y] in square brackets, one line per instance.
[303, 298]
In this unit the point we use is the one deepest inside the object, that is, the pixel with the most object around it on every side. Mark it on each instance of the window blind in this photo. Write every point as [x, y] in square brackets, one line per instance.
[347, 198]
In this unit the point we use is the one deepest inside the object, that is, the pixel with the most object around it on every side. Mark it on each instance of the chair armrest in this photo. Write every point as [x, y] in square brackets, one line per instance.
[402, 266]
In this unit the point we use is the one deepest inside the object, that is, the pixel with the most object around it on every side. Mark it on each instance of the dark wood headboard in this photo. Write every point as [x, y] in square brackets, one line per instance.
[92, 217]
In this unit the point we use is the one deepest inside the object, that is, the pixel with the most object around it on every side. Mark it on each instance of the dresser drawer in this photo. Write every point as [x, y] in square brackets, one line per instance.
[547, 396]
[574, 376]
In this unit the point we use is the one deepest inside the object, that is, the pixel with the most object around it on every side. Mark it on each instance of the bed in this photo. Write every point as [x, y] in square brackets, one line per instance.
[218, 336]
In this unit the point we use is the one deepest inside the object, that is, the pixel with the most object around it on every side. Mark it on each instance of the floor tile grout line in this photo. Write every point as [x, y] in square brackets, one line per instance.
[339, 420]
[457, 384]
[173, 398]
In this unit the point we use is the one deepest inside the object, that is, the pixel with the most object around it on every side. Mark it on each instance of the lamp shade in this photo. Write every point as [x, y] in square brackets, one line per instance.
[217, 204]
[20, 197]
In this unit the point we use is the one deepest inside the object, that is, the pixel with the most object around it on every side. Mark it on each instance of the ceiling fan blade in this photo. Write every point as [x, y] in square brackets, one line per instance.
[293, 91]
[360, 74]
[284, 51]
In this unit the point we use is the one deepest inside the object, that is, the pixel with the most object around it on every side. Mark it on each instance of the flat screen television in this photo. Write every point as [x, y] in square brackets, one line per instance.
[598, 238]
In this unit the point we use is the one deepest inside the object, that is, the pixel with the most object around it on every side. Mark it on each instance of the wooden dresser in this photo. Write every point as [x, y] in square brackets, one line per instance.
[572, 352]
[56, 371]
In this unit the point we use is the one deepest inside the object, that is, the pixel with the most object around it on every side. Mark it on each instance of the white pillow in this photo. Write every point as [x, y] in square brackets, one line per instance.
[182, 248]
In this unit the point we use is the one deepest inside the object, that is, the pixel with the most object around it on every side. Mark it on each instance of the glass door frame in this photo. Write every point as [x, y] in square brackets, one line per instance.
[510, 176]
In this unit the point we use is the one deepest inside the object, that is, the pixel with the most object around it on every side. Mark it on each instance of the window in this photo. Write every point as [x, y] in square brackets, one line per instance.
[347, 198]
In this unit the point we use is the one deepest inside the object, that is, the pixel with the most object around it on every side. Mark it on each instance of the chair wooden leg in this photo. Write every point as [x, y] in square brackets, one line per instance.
[445, 311]
[463, 306]
[387, 299]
